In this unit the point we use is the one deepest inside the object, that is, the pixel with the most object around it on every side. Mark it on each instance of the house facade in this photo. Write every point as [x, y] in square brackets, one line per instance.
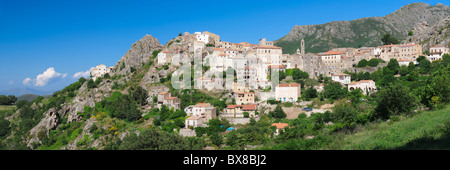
[287, 92]
[367, 86]
[165, 98]
[245, 98]
[236, 111]
[437, 52]
[341, 78]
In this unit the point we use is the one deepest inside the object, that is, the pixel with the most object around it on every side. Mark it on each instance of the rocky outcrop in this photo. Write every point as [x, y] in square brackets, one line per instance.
[139, 53]
[430, 35]
[364, 31]
[85, 97]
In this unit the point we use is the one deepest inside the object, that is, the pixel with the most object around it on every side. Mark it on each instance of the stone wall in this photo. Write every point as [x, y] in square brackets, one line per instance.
[187, 132]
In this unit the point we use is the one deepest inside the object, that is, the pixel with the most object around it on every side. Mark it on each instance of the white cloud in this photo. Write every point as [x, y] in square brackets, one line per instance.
[43, 79]
[27, 81]
[85, 74]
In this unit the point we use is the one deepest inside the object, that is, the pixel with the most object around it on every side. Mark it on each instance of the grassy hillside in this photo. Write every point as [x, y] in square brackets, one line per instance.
[427, 130]
[7, 107]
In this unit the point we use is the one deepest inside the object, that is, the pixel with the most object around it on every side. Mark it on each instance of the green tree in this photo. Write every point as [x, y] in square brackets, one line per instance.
[410, 33]
[152, 139]
[373, 62]
[344, 115]
[7, 100]
[334, 90]
[404, 70]
[388, 39]
[139, 95]
[355, 96]
[278, 113]
[4, 128]
[309, 93]
[394, 99]
[424, 66]
[91, 84]
[363, 63]
[411, 66]
[393, 65]
[297, 74]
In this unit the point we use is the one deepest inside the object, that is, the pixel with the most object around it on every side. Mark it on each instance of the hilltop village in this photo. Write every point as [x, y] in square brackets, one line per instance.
[253, 65]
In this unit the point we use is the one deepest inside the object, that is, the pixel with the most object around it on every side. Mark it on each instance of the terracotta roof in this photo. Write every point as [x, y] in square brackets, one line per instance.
[232, 106]
[163, 93]
[289, 85]
[171, 98]
[202, 105]
[387, 45]
[437, 46]
[193, 118]
[366, 81]
[276, 66]
[340, 74]
[408, 45]
[249, 107]
[333, 53]
[280, 125]
[217, 49]
[268, 47]
[244, 107]
[361, 81]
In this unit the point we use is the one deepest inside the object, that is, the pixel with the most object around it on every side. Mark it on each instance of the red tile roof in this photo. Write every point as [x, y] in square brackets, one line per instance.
[268, 47]
[202, 105]
[276, 66]
[193, 118]
[289, 85]
[408, 45]
[340, 74]
[280, 125]
[244, 107]
[171, 98]
[333, 52]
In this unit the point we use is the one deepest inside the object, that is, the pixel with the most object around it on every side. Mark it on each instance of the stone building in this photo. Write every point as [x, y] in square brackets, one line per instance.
[244, 98]
[236, 111]
[165, 98]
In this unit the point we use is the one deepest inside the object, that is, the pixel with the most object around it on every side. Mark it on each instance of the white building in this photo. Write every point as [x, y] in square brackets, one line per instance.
[287, 92]
[194, 122]
[341, 78]
[99, 71]
[202, 110]
[365, 85]
[202, 37]
[162, 57]
[437, 52]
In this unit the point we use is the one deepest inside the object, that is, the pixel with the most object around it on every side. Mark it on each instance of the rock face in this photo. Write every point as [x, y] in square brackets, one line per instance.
[364, 31]
[431, 35]
[140, 52]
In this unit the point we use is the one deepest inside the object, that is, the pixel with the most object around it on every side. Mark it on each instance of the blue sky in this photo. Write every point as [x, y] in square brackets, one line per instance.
[73, 36]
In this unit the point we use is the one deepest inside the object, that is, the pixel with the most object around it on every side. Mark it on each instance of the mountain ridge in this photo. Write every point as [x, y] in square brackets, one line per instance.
[363, 31]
